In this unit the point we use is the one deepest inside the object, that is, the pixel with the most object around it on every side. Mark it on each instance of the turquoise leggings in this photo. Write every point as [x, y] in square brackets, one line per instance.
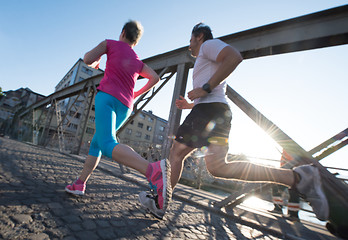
[110, 114]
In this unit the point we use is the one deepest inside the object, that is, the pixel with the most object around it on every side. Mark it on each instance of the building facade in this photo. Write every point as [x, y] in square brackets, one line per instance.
[71, 109]
[59, 124]
[14, 101]
[145, 134]
[79, 72]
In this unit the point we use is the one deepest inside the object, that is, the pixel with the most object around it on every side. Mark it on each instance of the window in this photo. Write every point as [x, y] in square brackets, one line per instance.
[138, 134]
[91, 119]
[160, 138]
[148, 128]
[142, 115]
[132, 122]
[71, 113]
[72, 126]
[150, 119]
[74, 114]
[88, 71]
[161, 128]
[147, 137]
[90, 130]
[140, 125]
[129, 131]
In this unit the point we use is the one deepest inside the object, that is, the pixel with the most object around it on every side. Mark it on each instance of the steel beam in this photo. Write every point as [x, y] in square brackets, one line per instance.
[327, 143]
[175, 113]
[70, 91]
[331, 184]
[321, 29]
[87, 105]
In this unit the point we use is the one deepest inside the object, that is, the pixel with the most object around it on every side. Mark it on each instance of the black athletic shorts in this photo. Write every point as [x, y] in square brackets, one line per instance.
[207, 123]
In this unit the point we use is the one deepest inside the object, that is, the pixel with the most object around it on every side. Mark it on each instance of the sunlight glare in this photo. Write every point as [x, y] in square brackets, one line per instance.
[249, 139]
[255, 202]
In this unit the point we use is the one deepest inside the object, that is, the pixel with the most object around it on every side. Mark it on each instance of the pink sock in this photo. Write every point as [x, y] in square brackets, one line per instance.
[78, 181]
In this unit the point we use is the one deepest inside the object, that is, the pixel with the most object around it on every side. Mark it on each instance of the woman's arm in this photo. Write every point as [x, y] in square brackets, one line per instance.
[92, 58]
[150, 74]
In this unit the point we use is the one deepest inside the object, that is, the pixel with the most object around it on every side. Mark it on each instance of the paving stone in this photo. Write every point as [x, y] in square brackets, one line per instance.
[87, 235]
[75, 227]
[39, 236]
[69, 238]
[102, 223]
[118, 223]
[89, 225]
[34, 205]
[22, 218]
[106, 233]
[202, 237]
[71, 219]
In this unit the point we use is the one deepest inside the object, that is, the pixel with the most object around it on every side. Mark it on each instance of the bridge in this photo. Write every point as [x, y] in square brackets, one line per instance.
[317, 30]
[34, 205]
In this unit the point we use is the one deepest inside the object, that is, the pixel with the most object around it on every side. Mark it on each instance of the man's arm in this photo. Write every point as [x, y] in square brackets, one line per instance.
[183, 104]
[229, 59]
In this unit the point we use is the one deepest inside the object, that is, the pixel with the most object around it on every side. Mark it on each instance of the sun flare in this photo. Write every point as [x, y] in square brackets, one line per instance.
[253, 142]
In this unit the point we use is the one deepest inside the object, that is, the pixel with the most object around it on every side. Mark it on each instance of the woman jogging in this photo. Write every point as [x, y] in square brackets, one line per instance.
[114, 104]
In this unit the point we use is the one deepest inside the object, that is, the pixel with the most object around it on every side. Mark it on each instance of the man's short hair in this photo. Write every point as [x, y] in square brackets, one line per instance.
[133, 30]
[202, 28]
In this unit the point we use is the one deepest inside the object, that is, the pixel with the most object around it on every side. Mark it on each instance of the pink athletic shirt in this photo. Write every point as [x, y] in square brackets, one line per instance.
[122, 70]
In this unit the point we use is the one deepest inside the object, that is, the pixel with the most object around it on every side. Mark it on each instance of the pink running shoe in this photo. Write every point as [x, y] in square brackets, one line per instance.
[76, 189]
[158, 175]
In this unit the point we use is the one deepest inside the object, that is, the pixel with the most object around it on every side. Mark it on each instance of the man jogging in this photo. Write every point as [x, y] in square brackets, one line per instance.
[209, 122]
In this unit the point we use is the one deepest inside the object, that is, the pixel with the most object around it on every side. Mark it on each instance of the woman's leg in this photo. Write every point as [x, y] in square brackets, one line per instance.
[125, 155]
[90, 164]
[110, 115]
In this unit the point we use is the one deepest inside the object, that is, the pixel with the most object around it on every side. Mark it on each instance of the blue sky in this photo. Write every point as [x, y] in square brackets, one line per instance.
[303, 93]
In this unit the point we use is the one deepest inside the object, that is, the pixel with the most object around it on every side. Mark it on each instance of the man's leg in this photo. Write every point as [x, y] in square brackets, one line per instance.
[293, 205]
[277, 198]
[157, 173]
[177, 155]
[306, 179]
[242, 170]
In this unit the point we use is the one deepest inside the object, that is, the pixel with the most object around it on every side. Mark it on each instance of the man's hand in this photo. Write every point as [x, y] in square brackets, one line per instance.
[183, 104]
[196, 93]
